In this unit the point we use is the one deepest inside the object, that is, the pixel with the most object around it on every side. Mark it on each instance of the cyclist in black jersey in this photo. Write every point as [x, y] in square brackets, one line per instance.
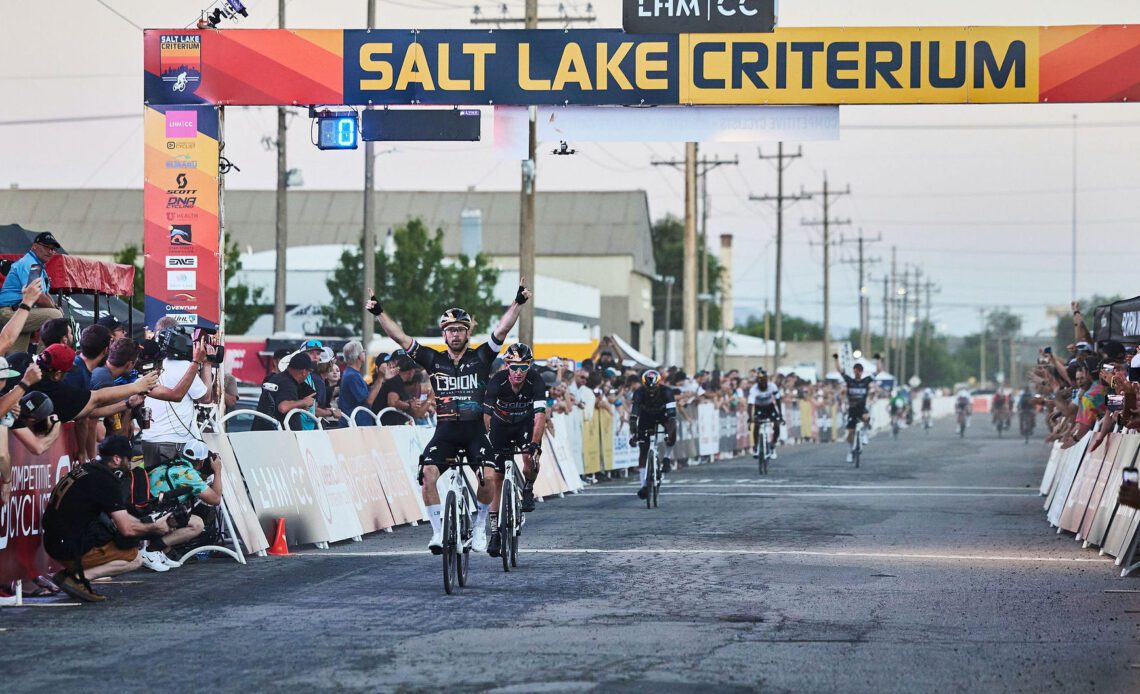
[652, 405]
[514, 412]
[858, 390]
[459, 377]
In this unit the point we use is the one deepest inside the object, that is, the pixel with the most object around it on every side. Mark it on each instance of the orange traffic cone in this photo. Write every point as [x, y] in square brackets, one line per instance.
[280, 546]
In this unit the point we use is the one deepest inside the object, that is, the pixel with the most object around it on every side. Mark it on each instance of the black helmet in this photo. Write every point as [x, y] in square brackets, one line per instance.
[36, 405]
[455, 316]
[518, 353]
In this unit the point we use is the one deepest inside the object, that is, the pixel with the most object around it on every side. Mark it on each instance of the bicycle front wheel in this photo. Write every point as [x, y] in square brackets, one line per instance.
[506, 524]
[463, 550]
[450, 546]
[650, 478]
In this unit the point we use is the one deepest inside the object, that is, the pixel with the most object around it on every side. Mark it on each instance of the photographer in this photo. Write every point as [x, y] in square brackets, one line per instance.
[183, 477]
[87, 527]
[74, 403]
[187, 378]
[286, 391]
[118, 370]
[27, 416]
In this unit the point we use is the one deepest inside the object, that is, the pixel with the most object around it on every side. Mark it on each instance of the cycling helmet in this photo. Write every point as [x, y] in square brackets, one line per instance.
[518, 353]
[36, 405]
[196, 451]
[651, 378]
[455, 316]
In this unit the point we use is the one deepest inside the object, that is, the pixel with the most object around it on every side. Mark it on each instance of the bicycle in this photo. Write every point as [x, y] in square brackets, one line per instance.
[857, 444]
[459, 500]
[653, 473]
[895, 426]
[763, 444]
[926, 423]
[1001, 422]
[1028, 423]
[962, 417]
[511, 517]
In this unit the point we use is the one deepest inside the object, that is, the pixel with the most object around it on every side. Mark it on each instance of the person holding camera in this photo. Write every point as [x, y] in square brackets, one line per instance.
[284, 392]
[87, 527]
[28, 416]
[186, 379]
[181, 481]
[119, 369]
[30, 268]
[73, 403]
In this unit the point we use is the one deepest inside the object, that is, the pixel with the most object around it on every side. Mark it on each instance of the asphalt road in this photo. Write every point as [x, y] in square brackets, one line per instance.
[931, 568]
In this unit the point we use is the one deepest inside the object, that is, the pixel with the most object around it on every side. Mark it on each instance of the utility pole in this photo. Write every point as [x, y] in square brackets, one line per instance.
[368, 246]
[704, 166]
[864, 290]
[886, 323]
[902, 353]
[780, 198]
[282, 208]
[892, 312]
[689, 278]
[527, 250]
[917, 310]
[926, 326]
[669, 281]
[827, 223]
[1073, 253]
[982, 342]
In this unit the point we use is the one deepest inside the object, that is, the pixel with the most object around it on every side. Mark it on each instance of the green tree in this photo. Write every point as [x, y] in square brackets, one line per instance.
[668, 236]
[795, 329]
[130, 256]
[243, 303]
[415, 284]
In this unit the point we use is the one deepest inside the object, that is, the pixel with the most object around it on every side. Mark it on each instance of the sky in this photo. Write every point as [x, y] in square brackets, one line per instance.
[982, 208]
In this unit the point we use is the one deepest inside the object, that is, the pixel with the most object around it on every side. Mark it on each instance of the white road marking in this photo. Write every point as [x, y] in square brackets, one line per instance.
[904, 556]
[776, 494]
[780, 485]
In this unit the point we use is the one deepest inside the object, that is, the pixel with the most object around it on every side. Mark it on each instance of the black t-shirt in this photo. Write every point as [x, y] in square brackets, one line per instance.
[507, 406]
[76, 502]
[278, 388]
[650, 409]
[392, 385]
[68, 401]
[459, 387]
[858, 389]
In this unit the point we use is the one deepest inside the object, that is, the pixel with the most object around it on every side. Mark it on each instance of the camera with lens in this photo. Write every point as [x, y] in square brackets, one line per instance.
[172, 503]
[177, 343]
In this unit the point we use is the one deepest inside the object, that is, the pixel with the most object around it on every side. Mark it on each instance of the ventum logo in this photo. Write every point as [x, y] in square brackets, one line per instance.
[180, 235]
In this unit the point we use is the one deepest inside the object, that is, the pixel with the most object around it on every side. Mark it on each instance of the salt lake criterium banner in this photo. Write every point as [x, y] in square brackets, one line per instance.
[824, 66]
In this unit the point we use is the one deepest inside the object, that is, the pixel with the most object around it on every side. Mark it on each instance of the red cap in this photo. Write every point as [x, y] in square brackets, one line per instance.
[59, 357]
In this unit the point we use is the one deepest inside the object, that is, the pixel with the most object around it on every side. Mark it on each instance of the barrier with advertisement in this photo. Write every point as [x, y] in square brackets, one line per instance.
[708, 430]
[625, 455]
[607, 67]
[591, 445]
[22, 556]
[236, 496]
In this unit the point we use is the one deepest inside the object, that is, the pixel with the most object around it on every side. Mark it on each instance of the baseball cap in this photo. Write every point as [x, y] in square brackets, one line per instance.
[196, 450]
[7, 371]
[45, 238]
[59, 357]
[405, 363]
[299, 360]
[1084, 346]
[36, 405]
[115, 445]
[110, 323]
[326, 355]
[311, 344]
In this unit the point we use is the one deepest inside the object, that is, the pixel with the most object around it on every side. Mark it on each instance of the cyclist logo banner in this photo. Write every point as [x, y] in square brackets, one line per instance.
[825, 66]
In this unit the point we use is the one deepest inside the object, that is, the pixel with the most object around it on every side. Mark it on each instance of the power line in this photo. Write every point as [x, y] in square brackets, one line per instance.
[992, 126]
[70, 119]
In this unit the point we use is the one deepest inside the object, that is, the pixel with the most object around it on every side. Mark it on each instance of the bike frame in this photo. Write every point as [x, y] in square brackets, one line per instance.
[453, 480]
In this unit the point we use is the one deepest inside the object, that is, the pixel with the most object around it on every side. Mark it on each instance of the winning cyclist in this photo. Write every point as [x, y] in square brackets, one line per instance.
[1001, 407]
[653, 405]
[858, 389]
[459, 378]
[765, 404]
[963, 407]
[514, 412]
[927, 404]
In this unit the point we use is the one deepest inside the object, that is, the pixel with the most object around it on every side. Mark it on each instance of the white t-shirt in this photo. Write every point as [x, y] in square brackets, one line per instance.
[175, 422]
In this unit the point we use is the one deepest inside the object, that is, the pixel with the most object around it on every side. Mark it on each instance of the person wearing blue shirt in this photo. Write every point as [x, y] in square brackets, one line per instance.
[27, 269]
[354, 392]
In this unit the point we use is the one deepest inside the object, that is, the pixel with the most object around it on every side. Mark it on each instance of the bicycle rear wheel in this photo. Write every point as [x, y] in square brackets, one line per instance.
[650, 477]
[506, 524]
[656, 484]
[450, 546]
[514, 549]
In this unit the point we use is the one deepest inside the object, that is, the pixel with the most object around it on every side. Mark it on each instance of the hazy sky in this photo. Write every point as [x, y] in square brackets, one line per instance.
[984, 211]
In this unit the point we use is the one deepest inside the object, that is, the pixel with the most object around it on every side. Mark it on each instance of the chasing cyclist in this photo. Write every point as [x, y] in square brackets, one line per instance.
[765, 405]
[927, 406]
[459, 377]
[652, 405]
[858, 390]
[962, 409]
[514, 413]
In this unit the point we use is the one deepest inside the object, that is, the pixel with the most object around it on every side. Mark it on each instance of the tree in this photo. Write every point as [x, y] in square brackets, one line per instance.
[130, 256]
[795, 329]
[668, 236]
[415, 284]
[243, 303]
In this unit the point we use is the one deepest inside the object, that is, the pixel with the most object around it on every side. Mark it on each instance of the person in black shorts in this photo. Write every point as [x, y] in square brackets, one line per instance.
[858, 390]
[459, 377]
[514, 412]
[652, 405]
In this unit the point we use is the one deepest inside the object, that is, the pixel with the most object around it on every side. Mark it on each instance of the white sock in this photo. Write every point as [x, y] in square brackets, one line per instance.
[481, 516]
[643, 471]
[435, 515]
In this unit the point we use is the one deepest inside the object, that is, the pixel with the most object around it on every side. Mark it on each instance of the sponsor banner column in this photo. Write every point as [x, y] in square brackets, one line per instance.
[180, 206]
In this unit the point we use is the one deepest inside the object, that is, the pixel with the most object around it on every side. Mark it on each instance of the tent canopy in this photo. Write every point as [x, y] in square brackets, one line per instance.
[70, 274]
[624, 353]
[1118, 321]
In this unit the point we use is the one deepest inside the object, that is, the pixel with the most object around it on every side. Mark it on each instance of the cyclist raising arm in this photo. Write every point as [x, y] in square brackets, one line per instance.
[858, 388]
[652, 405]
[514, 413]
[459, 377]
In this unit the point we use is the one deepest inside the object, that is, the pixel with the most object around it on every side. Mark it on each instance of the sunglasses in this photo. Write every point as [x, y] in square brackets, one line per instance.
[518, 368]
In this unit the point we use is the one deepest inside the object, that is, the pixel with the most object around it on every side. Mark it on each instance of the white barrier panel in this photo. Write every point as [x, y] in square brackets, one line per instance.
[1050, 476]
[329, 485]
[563, 458]
[236, 495]
[1072, 464]
[409, 443]
[568, 428]
[708, 430]
[369, 495]
[625, 456]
